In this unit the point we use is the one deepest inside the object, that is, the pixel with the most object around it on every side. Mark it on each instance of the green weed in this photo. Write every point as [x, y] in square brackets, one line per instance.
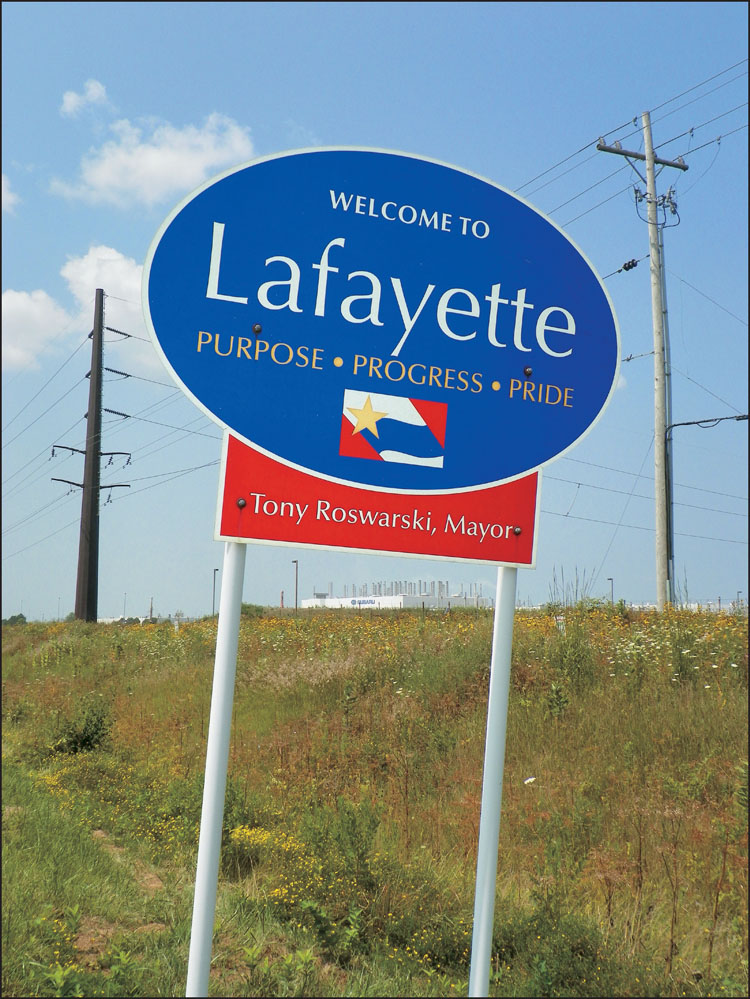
[88, 729]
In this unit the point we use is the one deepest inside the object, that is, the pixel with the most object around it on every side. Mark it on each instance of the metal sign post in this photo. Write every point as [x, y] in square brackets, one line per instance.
[217, 760]
[492, 784]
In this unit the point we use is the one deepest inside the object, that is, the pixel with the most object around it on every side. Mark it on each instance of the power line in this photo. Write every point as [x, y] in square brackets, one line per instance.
[701, 84]
[176, 473]
[695, 128]
[697, 290]
[699, 178]
[52, 406]
[628, 266]
[707, 390]
[54, 340]
[26, 405]
[44, 472]
[165, 437]
[687, 103]
[36, 513]
[634, 357]
[640, 527]
[563, 174]
[128, 301]
[624, 492]
[624, 510]
[708, 297]
[630, 121]
[709, 423]
[718, 138]
[39, 542]
[133, 493]
[700, 97]
[129, 336]
[590, 188]
[599, 205]
[556, 165]
[141, 419]
[682, 485]
[140, 378]
[143, 452]
[38, 455]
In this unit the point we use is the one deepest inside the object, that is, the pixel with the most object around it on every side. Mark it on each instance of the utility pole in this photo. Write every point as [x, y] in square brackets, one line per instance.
[662, 466]
[87, 583]
[663, 594]
[87, 580]
[668, 467]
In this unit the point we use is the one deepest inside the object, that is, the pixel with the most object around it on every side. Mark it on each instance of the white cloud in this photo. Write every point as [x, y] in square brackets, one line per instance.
[103, 267]
[120, 278]
[93, 93]
[10, 198]
[34, 323]
[31, 321]
[133, 168]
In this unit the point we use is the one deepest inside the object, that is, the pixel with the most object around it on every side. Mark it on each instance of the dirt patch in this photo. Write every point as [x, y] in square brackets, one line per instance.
[92, 940]
[150, 882]
[107, 843]
[150, 928]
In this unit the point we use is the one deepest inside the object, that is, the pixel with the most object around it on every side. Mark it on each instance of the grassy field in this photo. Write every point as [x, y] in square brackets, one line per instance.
[352, 808]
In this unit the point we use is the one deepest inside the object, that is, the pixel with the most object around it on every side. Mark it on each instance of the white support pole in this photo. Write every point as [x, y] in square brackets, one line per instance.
[492, 785]
[217, 760]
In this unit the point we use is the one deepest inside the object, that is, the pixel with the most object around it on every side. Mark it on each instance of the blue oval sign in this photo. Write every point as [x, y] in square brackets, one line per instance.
[381, 319]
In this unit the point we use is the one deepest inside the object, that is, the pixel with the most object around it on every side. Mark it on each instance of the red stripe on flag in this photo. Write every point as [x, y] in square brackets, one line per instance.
[353, 445]
[434, 415]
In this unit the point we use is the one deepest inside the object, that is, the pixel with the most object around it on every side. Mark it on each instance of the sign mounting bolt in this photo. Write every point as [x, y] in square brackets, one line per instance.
[241, 503]
[528, 372]
[257, 328]
[516, 531]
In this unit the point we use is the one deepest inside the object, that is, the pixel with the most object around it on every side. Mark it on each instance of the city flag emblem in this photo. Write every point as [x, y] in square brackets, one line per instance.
[393, 428]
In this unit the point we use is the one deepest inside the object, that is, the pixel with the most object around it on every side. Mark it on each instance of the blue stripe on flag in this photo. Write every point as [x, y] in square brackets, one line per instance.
[393, 435]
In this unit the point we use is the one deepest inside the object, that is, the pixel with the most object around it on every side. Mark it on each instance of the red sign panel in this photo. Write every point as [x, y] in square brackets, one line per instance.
[262, 500]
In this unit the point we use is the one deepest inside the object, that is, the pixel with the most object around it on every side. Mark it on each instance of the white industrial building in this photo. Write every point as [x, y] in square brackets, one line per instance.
[400, 595]
[400, 602]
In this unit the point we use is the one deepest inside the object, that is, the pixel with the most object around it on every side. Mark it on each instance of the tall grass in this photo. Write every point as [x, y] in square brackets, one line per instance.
[353, 798]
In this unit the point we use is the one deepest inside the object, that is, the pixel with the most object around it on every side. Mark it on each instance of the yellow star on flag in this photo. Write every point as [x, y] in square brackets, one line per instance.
[367, 418]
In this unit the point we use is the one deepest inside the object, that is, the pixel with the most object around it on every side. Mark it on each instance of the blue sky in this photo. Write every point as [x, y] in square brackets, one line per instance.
[114, 112]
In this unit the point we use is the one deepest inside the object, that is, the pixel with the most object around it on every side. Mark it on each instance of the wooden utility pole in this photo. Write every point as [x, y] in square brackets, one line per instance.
[663, 595]
[665, 592]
